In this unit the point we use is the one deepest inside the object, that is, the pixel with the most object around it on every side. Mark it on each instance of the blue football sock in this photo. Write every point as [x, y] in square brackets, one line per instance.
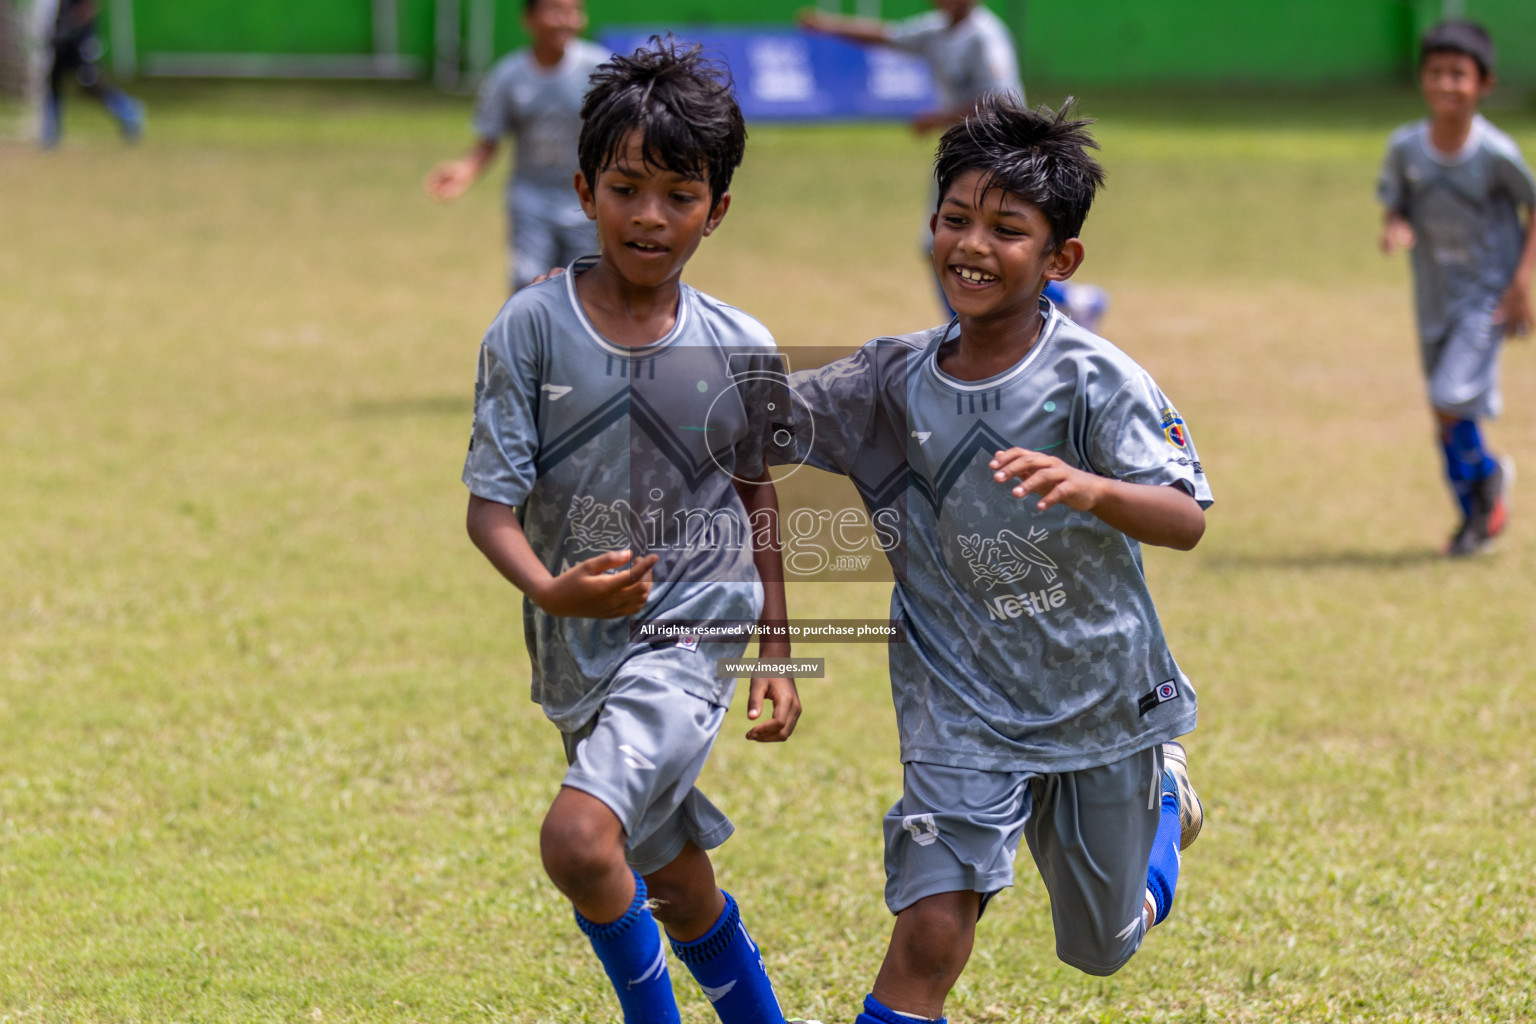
[631, 953]
[1466, 460]
[726, 964]
[876, 1012]
[1163, 869]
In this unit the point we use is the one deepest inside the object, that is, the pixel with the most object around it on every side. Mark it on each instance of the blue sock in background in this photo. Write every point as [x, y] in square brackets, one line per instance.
[631, 953]
[876, 1012]
[726, 964]
[1163, 869]
[1466, 460]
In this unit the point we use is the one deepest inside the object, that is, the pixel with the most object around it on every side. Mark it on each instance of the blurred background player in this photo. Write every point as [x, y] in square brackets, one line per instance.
[969, 52]
[75, 51]
[1453, 186]
[534, 97]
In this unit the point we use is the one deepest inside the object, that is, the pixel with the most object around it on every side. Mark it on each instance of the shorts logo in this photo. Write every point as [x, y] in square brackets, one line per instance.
[635, 759]
[1173, 429]
[687, 643]
[924, 831]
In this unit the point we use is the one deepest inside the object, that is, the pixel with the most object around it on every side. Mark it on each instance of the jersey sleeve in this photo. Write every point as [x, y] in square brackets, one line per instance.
[493, 115]
[1139, 437]
[1514, 177]
[834, 412]
[765, 394]
[504, 444]
[915, 34]
[1391, 183]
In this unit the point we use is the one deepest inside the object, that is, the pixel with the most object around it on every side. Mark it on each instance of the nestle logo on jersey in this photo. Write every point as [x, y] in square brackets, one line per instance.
[1035, 602]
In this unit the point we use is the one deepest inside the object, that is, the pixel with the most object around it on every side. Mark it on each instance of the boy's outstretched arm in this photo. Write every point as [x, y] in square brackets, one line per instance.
[869, 31]
[1164, 515]
[452, 178]
[587, 590]
[1514, 310]
[762, 505]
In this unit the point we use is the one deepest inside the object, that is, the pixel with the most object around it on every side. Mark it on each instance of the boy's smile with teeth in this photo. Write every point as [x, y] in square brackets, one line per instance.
[975, 276]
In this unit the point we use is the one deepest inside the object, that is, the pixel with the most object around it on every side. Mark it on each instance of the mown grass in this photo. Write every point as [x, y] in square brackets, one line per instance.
[265, 747]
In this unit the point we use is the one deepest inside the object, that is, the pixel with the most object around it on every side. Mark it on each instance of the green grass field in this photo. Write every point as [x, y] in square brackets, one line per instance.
[266, 752]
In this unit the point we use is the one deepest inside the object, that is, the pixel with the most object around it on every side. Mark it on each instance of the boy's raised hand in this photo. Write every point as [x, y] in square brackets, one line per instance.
[1056, 482]
[781, 693]
[591, 590]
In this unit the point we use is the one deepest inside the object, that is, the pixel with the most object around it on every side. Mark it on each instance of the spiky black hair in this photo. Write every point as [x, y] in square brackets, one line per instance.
[1039, 156]
[679, 101]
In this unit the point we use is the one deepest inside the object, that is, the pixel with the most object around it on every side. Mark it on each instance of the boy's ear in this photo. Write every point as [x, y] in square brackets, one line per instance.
[717, 214]
[584, 195]
[1065, 260]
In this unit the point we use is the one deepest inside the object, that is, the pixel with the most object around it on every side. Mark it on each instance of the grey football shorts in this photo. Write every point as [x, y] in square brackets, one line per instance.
[1463, 366]
[1090, 832]
[641, 754]
[546, 231]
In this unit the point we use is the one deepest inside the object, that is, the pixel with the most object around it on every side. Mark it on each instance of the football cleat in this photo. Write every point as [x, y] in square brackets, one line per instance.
[1176, 781]
[1490, 512]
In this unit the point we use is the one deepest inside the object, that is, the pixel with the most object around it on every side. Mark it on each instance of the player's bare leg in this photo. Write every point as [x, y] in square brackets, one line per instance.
[684, 896]
[582, 843]
[929, 948]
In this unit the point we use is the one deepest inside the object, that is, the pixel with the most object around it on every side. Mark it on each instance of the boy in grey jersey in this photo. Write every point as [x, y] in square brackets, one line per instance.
[533, 96]
[616, 470]
[1454, 187]
[1036, 697]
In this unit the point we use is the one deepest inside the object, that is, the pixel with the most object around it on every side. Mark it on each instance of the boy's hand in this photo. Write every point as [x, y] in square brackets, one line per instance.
[1514, 311]
[590, 590]
[449, 179]
[552, 272]
[1396, 234]
[781, 693]
[1056, 482]
[811, 19]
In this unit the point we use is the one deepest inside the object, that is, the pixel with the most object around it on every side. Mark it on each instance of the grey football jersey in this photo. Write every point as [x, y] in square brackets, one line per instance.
[968, 59]
[1033, 643]
[541, 109]
[602, 447]
[1465, 212]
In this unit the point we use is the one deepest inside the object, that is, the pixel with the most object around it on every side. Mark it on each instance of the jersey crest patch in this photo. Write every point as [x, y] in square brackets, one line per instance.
[1173, 429]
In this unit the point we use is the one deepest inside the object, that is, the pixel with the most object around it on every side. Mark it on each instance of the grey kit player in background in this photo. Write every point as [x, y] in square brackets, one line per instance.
[533, 96]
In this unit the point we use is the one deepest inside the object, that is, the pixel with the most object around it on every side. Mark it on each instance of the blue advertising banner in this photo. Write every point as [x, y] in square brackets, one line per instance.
[785, 75]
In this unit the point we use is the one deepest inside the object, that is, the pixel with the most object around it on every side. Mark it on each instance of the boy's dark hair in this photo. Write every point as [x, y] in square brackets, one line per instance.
[1464, 37]
[679, 101]
[1039, 156]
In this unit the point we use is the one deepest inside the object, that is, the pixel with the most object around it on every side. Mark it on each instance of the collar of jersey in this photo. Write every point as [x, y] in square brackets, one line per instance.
[1462, 155]
[1018, 369]
[585, 263]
